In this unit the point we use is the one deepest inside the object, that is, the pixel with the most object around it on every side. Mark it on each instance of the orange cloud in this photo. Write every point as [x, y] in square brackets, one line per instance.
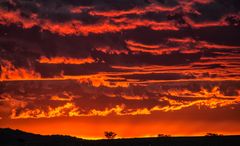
[65, 60]
[117, 109]
[8, 17]
[109, 50]
[152, 49]
[132, 97]
[212, 98]
[68, 109]
[184, 45]
[10, 72]
[113, 23]
[214, 92]
[57, 98]
[154, 25]
[79, 9]
[201, 44]
[100, 80]
[188, 7]
[136, 11]
[10, 102]
[195, 69]
[75, 27]
[210, 103]
[215, 46]
[193, 24]
[133, 43]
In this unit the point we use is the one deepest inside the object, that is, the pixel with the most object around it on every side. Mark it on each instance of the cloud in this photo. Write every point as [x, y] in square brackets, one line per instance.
[69, 99]
[134, 11]
[152, 49]
[76, 27]
[98, 19]
[126, 58]
[108, 50]
[63, 60]
[57, 98]
[10, 72]
[67, 109]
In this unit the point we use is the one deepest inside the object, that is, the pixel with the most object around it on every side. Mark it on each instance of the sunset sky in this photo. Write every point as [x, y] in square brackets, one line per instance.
[135, 67]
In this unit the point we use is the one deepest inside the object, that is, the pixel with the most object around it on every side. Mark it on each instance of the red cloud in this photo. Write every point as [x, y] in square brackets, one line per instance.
[65, 60]
[10, 72]
[136, 11]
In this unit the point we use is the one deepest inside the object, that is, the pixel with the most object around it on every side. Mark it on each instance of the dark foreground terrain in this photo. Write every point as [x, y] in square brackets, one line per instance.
[9, 137]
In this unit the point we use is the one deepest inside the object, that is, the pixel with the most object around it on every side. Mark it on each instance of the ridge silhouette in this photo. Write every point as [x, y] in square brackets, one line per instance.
[10, 137]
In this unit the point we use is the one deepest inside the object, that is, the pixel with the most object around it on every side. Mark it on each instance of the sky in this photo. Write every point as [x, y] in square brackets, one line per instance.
[136, 67]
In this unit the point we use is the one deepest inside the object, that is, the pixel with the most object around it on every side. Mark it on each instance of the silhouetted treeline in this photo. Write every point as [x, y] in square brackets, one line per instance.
[9, 137]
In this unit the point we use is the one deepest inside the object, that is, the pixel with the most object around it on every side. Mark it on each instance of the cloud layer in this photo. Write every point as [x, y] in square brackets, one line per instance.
[118, 57]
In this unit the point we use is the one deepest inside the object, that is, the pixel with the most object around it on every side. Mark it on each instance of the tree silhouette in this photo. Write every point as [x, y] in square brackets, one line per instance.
[213, 134]
[110, 134]
[163, 135]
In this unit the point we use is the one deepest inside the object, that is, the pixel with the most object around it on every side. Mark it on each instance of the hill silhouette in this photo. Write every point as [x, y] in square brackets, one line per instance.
[10, 137]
